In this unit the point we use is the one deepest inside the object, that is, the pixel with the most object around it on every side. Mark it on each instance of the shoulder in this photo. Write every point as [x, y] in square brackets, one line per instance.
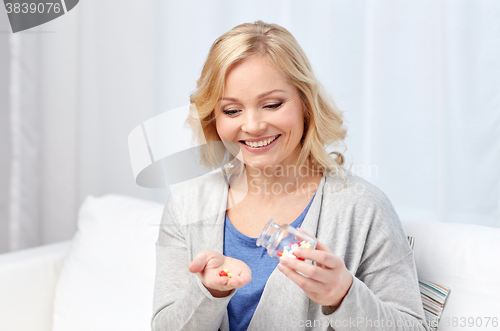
[353, 190]
[201, 185]
[360, 205]
[361, 211]
[198, 197]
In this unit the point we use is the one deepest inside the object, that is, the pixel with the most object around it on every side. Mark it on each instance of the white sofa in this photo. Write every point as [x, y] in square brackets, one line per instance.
[103, 279]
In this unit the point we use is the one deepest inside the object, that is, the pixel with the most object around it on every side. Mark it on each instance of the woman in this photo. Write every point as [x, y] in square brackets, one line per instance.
[257, 92]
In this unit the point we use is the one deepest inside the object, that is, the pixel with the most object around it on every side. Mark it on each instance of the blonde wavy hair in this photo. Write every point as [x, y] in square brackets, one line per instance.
[323, 121]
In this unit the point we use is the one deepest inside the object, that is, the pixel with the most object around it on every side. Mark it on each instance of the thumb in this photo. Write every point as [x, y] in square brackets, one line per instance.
[200, 261]
[303, 231]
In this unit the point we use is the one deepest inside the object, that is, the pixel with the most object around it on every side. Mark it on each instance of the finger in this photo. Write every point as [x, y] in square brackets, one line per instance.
[306, 284]
[243, 276]
[325, 259]
[321, 247]
[313, 272]
[202, 259]
[246, 274]
[237, 282]
[306, 233]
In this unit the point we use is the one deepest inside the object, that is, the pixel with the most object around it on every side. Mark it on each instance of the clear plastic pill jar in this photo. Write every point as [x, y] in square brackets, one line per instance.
[282, 240]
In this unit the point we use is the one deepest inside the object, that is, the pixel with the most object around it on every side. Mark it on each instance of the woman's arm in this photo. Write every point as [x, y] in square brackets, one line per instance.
[181, 301]
[384, 294]
[387, 299]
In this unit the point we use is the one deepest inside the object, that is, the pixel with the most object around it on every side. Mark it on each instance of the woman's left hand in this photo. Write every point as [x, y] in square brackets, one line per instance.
[329, 280]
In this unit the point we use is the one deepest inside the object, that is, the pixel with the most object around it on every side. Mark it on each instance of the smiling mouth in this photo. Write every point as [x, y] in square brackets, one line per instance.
[262, 143]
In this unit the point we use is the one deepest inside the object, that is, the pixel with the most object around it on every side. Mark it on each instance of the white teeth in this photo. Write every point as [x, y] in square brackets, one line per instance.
[260, 143]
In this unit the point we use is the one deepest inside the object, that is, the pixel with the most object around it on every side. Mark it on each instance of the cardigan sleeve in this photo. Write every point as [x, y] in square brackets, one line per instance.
[362, 308]
[384, 294]
[181, 301]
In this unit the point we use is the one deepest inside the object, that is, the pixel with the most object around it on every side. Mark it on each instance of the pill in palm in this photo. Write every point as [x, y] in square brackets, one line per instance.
[225, 273]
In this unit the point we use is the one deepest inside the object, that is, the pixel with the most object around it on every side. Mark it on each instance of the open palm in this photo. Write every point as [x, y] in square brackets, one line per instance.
[208, 264]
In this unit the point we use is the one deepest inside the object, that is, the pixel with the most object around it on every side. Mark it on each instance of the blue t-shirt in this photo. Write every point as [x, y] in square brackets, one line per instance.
[242, 305]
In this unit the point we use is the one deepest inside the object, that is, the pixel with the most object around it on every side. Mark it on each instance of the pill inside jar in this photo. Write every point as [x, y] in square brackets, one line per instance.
[283, 240]
[289, 250]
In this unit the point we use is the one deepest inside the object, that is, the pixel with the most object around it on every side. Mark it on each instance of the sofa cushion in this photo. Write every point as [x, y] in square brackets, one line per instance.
[108, 276]
[433, 297]
[466, 258]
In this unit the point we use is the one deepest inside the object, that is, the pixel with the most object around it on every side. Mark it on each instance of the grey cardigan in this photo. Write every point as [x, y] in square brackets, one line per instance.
[358, 223]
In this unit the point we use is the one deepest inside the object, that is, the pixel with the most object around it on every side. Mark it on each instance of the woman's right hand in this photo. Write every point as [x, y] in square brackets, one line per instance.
[207, 265]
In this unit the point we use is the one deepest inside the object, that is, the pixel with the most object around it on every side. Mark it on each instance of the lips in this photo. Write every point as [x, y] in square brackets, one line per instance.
[260, 142]
[254, 148]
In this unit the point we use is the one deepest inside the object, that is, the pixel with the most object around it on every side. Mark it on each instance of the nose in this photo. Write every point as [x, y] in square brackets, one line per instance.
[253, 122]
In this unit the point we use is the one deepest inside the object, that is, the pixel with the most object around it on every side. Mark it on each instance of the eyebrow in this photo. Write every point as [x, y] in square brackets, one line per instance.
[260, 96]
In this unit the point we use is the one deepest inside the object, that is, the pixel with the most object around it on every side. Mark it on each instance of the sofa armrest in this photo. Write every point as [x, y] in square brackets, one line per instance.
[28, 281]
[464, 258]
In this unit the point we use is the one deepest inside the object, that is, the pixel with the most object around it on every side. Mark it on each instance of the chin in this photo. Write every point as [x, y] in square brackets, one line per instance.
[261, 164]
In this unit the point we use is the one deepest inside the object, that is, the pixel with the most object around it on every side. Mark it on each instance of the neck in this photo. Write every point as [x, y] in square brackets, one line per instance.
[277, 180]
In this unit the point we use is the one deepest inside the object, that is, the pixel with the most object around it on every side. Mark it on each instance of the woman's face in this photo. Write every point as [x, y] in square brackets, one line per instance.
[261, 112]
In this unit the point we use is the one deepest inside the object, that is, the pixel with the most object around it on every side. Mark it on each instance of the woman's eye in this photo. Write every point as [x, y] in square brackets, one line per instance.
[277, 105]
[230, 111]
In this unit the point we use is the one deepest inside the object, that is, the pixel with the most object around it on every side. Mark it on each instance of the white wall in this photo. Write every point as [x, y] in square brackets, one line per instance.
[4, 132]
[419, 83]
